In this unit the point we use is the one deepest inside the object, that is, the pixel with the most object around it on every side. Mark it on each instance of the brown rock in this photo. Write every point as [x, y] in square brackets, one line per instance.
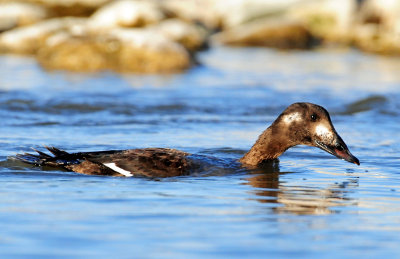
[123, 50]
[146, 52]
[272, 32]
[330, 20]
[371, 38]
[60, 8]
[79, 54]
[378, 27]
[7, 24]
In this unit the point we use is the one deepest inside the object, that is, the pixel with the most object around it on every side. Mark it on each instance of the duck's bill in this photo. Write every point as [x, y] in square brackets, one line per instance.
[339, 150]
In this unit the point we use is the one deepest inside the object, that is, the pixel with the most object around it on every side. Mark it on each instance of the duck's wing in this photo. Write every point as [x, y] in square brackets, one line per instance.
[150, 162]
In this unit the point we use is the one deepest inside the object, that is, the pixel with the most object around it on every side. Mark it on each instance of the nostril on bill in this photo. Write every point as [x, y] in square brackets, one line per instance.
[339, 147]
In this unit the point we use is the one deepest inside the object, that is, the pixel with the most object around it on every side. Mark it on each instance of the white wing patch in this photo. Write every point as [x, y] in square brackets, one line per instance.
[118, 169]
[295, 116]
[323, 131]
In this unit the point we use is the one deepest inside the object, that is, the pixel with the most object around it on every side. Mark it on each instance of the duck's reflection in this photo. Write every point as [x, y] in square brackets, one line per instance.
[295, 198]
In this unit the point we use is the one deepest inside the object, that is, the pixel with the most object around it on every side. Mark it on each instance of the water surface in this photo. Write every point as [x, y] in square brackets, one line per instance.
[310, 204]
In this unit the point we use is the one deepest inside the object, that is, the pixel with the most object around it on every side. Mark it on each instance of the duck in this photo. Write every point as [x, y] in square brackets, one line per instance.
[299, 124]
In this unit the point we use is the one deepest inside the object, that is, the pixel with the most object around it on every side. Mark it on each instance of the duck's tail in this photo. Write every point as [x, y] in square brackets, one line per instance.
[59, 158]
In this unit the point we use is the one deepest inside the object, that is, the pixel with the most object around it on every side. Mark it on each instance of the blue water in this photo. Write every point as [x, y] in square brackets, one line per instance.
[310, 204]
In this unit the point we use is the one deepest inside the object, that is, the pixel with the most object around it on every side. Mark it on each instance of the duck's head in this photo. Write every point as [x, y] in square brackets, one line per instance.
[310, 124]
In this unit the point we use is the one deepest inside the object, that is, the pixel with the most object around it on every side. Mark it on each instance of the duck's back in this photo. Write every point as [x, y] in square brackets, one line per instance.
[149, 162]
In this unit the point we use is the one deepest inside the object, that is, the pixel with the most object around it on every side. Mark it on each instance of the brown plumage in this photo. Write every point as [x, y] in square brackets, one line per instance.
[300, 124]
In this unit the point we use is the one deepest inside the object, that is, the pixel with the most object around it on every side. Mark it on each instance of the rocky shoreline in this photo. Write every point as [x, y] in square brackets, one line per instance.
[162, 36]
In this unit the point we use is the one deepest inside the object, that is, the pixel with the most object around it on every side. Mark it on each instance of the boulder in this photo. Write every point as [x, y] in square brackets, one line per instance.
[378, 27]
[191, 36]
[274, 32]
[238, 12]
[330, 20]
[226, 14]
[28, 39]
[60, 8]
[7, 24]
[193, 11]
[13, 14]
[63, 51]
[125, 13]
[143, 51]
[122, 50]
[70, 44]
[371, 38]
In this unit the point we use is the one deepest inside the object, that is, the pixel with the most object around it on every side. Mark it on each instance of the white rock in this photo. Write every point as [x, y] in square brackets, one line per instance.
[330, 19]
[388, 12]
[237, 12]
[145, 39]
[67, 3]
[19, 14]
[192, 10]
[126, 13]
[226, 13]
[378, 27]
[27, 39]
[190, 35]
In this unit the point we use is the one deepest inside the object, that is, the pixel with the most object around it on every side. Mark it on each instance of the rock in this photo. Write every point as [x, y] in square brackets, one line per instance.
[7, 24]
[378, 27]
[330, 20]
[69, 44]
[238, 12]
[272, 32]
[224, 13]
[28, 39]
[370, 38]
[60, 8]
[123, 50]
[146, 52]
[194, 11]
[125, 13]
[191, 36]
[385, 13]
[13, 14]
[62, 51]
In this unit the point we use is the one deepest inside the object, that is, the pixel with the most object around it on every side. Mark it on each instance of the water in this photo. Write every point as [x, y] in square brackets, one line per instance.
[310, 204]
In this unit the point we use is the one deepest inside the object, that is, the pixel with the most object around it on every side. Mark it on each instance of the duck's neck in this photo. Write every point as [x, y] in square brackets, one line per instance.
[270, 144]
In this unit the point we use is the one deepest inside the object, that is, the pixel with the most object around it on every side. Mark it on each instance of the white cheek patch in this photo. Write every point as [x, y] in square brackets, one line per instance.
[292, 117]
[118, 169]
[323, 131]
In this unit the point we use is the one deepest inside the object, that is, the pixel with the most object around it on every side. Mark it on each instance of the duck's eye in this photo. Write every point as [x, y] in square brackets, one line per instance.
[313, 117]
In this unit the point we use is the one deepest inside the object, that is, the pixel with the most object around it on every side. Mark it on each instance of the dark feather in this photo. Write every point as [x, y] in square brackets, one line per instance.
[41, 153]
[152, 162]
[60, 157]
[56, 152]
